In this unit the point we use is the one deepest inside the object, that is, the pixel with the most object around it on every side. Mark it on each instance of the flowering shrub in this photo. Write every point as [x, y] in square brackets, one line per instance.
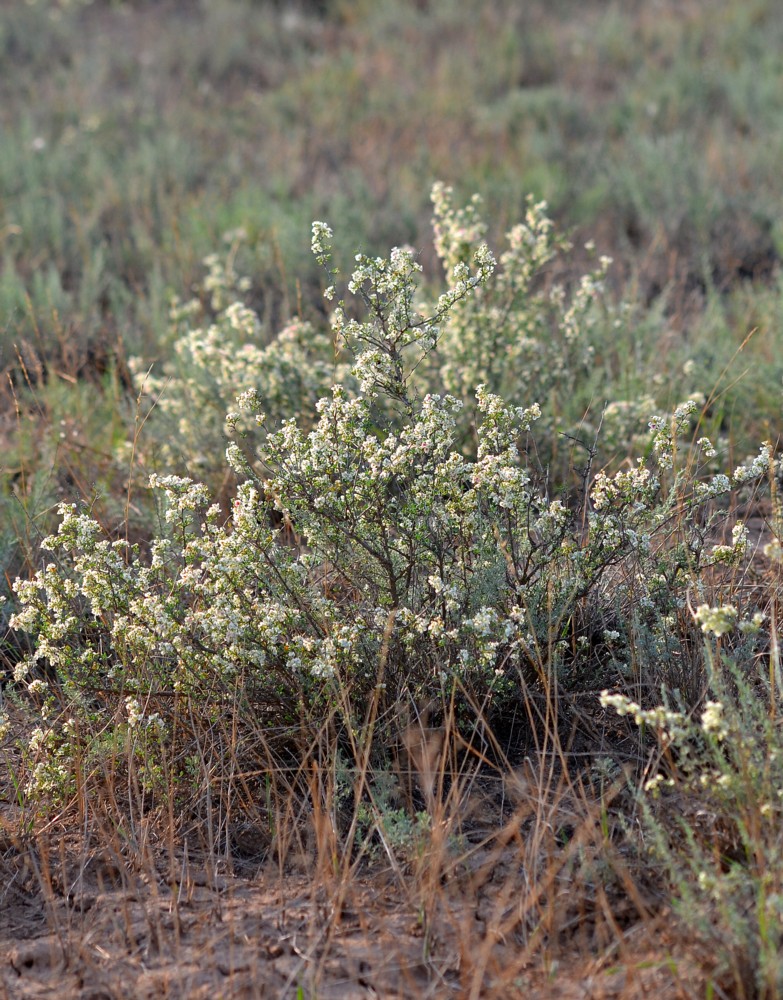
[518, 335]
[370, 555]
[220, 361]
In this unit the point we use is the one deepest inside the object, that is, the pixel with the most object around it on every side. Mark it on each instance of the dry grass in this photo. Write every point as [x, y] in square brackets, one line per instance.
[527, 880]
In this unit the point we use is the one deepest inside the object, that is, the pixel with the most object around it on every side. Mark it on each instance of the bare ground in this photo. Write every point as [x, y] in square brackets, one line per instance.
[94, 925]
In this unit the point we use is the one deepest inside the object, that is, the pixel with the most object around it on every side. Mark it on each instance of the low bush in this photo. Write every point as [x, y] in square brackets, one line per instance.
[396, 542]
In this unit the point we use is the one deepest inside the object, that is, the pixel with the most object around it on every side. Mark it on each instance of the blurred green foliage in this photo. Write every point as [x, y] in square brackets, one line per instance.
[136, 134]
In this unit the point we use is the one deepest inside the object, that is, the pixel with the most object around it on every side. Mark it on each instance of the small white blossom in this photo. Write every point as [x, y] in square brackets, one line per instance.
[718, 620]
[713, 721]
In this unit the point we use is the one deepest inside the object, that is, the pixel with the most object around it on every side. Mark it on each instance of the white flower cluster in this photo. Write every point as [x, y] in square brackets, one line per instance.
[321, 243]
[752, 626]
[731, 555]
[707, 447]
[718, 486]
[713, 720]
[624, 489]
[756, 468]
[511, 335]
[138, 718]
[666, 431]
[719, 620]
[228, 378]
[660, 718]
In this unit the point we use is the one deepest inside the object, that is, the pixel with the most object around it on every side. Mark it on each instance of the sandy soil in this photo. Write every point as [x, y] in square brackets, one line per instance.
[92, 925]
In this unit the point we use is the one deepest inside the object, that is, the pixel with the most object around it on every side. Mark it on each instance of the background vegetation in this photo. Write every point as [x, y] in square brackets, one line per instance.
[162, 162]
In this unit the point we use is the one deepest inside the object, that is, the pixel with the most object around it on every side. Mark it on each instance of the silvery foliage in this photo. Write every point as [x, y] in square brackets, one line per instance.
[367, 549]
[220, 355]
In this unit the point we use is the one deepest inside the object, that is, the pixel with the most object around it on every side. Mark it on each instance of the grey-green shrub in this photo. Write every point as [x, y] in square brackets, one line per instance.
[712, 806]
[369, 554]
